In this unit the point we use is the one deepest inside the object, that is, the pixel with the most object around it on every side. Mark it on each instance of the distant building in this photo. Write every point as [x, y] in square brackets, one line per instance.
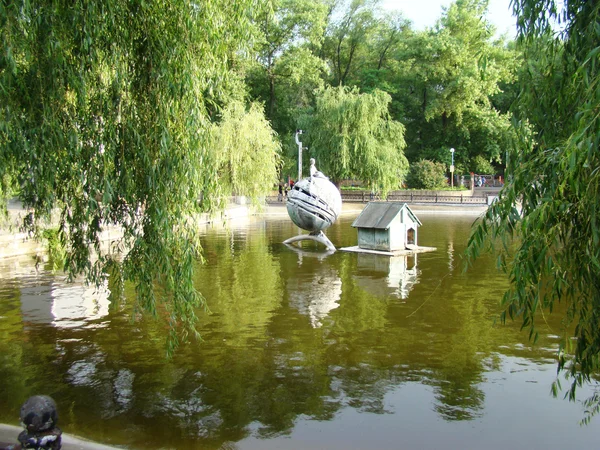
[387, 226]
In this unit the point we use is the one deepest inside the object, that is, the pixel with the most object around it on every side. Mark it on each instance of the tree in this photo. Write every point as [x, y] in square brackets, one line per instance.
[351, 135]
[481, 165]
[297, 73]
[104, 115]
[243, 142]
[426, 174]
[391, 32]
[289, 30]
[347, 38]
[446, 81]
[547, 216]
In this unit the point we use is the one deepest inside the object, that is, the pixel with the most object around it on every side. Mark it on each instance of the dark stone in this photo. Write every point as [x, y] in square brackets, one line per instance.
[47, 440]
[39, 414]
[39, 417]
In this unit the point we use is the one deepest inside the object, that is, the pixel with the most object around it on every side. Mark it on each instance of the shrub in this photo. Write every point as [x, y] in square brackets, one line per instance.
[425, 174]
[481, 165]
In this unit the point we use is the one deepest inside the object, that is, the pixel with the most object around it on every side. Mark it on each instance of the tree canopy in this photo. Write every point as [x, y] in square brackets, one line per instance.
[286, 71]
[446, 83]
[351, 135]
[450, 86]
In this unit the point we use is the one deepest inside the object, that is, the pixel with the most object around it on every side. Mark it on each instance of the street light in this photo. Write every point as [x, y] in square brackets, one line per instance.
[298, 133]
[452, 169]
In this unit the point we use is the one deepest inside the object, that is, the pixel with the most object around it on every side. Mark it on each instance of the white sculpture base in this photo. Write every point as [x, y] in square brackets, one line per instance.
[318, 236]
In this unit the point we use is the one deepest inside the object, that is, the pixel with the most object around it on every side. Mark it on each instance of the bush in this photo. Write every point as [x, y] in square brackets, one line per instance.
[426, 174]
[481, 165]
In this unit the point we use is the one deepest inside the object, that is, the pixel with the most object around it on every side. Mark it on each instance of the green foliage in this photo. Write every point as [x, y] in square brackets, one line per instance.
[446, 80]
[446, 84]
[467, 65]
[8, 189]
[244, 153]
[299, 73]
[482, 166]
[346, 41]
[287, 70]
[547, 217]
[104, 113]
[425, 174]
[351, 135]
[56, 250]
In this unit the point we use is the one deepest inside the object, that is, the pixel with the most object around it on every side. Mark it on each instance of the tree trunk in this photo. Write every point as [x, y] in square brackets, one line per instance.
[271, 95]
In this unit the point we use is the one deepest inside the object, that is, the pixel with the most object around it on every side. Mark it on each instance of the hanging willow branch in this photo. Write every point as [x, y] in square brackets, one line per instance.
[104, 115]
[548, 217]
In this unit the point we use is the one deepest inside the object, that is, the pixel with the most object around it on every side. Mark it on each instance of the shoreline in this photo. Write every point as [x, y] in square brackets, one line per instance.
[421, 208]
[14, 243]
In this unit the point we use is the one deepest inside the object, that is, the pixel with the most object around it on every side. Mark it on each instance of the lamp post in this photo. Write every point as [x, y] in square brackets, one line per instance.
[298, 133]
[452, 169]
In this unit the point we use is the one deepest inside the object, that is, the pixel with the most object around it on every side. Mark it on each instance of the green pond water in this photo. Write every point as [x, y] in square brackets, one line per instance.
[300, 350]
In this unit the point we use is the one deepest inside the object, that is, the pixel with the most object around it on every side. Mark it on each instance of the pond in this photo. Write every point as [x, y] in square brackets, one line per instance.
[299, 350]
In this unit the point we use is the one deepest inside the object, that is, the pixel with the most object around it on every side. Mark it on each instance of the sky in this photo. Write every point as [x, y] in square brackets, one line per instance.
[424, 13]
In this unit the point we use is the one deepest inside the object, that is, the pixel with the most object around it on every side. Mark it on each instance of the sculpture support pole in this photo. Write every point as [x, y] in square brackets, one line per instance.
[317, 237]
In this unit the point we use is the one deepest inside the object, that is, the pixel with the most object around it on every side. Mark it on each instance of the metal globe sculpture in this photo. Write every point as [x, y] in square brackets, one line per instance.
[314, 204]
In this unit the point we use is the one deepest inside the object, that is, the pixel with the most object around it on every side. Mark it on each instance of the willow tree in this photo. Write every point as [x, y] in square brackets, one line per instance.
[548, 215]
[103, 115]
[243, 143]
[352, 136]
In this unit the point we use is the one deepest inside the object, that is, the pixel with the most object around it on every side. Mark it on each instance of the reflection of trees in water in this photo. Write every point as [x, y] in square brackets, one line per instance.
[242, 286]
[459, 398]
[262, 365]
[363, 387]
[11, 353]
[462, 362]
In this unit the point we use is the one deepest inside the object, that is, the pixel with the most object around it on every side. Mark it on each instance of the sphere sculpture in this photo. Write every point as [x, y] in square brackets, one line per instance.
[314, 204]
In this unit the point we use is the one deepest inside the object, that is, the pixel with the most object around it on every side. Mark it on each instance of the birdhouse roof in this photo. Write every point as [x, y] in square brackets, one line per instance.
[380, 215]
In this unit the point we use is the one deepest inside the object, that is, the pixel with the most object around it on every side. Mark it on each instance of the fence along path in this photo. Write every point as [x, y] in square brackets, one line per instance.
[409, 197]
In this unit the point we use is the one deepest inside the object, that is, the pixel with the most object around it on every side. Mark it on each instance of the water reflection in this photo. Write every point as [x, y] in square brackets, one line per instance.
[387, 275]
[316, 291]
[307, 253]
[76, 305]
[316, 297]
[291, 340]
[47, 298]
[64, 305]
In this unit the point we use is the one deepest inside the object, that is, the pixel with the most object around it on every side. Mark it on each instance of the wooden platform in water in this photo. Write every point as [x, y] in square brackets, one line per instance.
[404, 252]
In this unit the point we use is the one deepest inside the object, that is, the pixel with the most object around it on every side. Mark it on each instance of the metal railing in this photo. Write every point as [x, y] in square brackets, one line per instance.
[407, 197]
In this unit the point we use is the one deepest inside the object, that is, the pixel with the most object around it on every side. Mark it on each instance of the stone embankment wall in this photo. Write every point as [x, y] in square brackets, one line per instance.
[14, 242]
